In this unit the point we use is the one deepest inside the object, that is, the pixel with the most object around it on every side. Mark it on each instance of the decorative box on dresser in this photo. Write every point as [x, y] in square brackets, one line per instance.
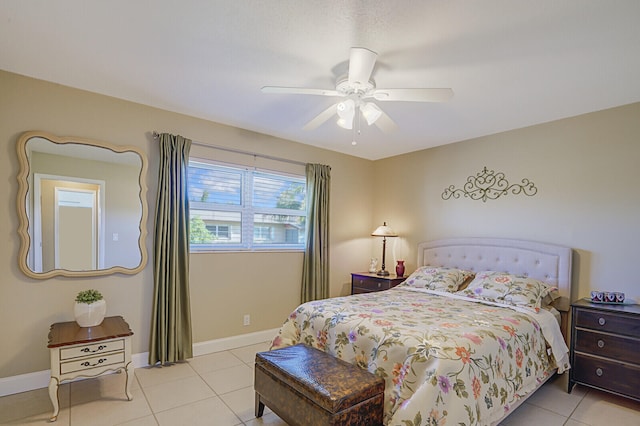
[367, 282]
[88, 352]
[605, 347]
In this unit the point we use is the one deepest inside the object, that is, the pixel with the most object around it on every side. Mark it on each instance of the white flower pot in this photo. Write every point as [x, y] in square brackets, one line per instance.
[90, 314]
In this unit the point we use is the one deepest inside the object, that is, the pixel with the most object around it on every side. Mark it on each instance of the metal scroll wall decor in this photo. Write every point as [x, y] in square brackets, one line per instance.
[489, 185]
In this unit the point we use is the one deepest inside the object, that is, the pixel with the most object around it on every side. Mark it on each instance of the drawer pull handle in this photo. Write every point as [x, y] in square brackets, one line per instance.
[599, 372]
[601, 321]
[601, 344]
[379, 284]
[88, 364]
[98, 349]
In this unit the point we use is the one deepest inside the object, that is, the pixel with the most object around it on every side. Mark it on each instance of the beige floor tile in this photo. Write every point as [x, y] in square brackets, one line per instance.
[603, 409]
[215, 361]
[248, 353]
[268, 419]
[110, 385]
[572, 422]
[530, 415]
[42, 419]
[210, 411]
[152, 376]
[176, 393]
[32, 405]
[109, 411]
[553, 396]
[142, 421]
[242, 402]
[229, 379]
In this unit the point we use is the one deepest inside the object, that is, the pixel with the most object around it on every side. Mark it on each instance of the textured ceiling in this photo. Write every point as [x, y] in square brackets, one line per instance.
[511, 63]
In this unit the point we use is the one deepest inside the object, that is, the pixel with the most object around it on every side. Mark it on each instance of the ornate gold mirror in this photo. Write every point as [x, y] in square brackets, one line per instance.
[82, 207]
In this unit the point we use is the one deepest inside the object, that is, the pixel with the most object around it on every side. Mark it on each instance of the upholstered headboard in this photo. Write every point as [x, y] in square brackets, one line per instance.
[545, 262]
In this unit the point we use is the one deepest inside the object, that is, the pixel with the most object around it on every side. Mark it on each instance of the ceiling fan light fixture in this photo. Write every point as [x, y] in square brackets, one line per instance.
[346, 111]
[371, 112]
[345, 124]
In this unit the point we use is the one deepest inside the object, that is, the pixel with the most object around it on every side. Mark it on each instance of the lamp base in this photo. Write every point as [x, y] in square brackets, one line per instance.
[383, 273]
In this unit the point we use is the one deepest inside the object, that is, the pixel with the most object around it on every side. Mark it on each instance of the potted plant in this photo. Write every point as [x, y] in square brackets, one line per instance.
[90, 308]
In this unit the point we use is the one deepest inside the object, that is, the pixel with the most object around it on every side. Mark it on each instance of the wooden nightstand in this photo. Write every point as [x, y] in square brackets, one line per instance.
[605, 347]
[367, 282]
[88, 352]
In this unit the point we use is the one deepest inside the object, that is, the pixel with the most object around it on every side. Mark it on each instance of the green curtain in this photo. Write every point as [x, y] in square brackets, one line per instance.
[171, 321]
[315, 269]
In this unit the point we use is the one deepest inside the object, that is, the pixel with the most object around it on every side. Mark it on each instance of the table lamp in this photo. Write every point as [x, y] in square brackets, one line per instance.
[383, 231]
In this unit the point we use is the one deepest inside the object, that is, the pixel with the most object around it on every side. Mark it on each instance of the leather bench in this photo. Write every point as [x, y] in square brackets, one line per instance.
[308, 387]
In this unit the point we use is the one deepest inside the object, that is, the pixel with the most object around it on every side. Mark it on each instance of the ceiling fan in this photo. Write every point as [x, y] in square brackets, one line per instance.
[359, 89]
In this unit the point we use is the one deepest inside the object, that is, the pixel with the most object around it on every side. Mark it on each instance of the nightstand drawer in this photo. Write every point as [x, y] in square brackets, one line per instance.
[90, 363]
[606, 374]
[371, 284]
[364, 282]
[609, 346]
[603, 321]
[96, 348]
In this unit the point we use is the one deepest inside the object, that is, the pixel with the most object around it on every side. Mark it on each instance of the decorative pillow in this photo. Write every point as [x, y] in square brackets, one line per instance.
[516, 290]
[441, 279]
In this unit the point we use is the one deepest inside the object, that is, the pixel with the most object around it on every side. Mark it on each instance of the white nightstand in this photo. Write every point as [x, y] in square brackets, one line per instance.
[88, 352]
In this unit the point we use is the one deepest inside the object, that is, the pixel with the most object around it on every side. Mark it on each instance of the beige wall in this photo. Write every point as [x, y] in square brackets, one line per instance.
[224, 287]
[587, 174]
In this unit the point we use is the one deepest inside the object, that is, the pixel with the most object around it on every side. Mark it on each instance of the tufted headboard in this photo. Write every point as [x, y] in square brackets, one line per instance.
[545, 262]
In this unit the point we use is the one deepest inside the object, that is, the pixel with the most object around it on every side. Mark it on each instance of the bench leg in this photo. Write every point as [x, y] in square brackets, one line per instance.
[259, 406]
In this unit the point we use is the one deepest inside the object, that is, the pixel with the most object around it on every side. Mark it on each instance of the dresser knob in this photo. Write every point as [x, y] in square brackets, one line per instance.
[601, 321]
[379, 284]
[598, 372]
[601, 343]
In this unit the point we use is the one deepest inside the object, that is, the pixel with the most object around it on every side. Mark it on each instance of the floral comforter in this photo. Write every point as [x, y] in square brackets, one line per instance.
[444, 360]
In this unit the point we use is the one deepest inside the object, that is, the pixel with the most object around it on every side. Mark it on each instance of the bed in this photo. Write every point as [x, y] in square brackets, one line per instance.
[452, 348]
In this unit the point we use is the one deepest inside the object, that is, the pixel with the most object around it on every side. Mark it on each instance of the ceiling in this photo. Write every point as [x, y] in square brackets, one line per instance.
[510, 63]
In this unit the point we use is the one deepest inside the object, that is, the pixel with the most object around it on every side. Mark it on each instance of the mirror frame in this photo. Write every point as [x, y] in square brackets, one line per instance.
[23, 190]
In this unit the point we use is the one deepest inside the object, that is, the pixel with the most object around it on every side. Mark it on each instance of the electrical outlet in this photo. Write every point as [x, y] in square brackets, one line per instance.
[247, 319]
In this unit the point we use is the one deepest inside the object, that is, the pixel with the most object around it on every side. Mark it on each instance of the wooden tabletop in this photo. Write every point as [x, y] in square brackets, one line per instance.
[70, 333]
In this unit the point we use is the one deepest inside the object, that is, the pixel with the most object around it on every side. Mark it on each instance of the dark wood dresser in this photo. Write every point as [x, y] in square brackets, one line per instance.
[605, 347]
[367, 282]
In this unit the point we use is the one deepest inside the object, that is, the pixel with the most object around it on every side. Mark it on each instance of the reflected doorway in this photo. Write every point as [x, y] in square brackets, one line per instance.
[68, 223]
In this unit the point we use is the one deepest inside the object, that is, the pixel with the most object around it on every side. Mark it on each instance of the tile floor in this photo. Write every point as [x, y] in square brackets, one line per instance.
[217, 389]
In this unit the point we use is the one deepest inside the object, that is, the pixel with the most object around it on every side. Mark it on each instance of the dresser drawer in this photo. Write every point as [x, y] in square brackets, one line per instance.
[96, 348]
[609, 322]
[607, 374]
[609, 346]
[90, 363]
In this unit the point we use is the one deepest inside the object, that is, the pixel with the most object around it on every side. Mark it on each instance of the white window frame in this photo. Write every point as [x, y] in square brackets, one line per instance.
[248, 212]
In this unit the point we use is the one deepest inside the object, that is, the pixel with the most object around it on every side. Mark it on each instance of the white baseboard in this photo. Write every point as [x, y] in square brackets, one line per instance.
[233, 342]
[40, 379]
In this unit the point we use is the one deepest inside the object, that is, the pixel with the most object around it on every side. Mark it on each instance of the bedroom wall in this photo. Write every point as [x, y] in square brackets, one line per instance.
[587, 175]
[224, 287]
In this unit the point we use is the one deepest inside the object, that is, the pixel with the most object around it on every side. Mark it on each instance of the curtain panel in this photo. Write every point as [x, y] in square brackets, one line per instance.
[171, 339]
[315, 269]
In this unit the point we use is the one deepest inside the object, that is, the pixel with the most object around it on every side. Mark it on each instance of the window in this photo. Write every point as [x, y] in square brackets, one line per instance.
[234, 208]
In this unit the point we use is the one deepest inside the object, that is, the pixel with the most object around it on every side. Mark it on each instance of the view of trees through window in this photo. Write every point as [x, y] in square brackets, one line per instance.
[240, 208]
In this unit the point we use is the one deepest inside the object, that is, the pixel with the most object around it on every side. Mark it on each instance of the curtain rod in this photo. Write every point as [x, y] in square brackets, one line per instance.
[239, 151]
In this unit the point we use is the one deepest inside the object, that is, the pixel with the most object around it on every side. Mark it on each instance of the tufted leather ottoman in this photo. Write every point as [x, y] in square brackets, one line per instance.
[307, 387]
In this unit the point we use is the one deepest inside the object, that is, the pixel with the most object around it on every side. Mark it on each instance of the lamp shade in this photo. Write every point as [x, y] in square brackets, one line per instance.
[346, 111]
[371, 112]
[384, 231]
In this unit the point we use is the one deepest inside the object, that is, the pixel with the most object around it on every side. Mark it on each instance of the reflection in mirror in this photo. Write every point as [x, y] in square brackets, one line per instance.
[82, 207]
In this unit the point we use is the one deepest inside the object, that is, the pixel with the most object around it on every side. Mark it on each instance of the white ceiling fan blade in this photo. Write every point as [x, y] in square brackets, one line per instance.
[361, 62]
[413, 95]
[300, 91]
[321, 118]
[385, 123]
